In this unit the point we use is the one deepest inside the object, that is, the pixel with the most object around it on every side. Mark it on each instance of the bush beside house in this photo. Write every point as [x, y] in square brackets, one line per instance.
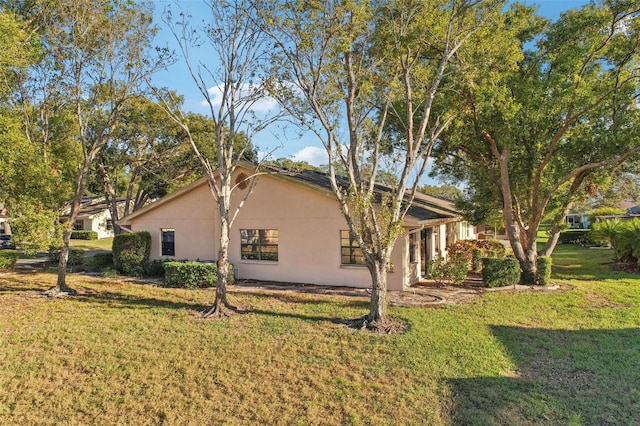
[500, 272]
[191, 274]
[131, 253]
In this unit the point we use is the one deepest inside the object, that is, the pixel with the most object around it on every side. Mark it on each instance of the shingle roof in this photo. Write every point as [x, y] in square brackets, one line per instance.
[424, 207]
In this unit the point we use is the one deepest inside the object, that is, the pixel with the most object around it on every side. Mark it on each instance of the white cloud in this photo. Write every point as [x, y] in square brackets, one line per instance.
[312, 155]
[265, 104]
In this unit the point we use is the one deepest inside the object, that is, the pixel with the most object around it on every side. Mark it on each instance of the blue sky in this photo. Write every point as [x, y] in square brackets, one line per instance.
[305, 148]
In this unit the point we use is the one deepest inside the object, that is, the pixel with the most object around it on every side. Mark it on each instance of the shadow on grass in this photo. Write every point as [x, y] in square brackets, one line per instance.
[117, 300]
[564, 377]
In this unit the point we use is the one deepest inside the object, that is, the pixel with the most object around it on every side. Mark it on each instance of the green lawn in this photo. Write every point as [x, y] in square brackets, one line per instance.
[124, 353]
[101, 244]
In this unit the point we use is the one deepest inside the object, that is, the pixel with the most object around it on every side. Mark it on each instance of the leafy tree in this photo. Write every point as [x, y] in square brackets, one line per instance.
[540, 123]
[229, 81]
[146, 158]
[343, 70]
[94, 57]
[31, 180]
[449, 192]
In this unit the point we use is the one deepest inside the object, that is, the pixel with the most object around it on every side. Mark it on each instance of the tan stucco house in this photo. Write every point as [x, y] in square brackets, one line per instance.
[291, 230]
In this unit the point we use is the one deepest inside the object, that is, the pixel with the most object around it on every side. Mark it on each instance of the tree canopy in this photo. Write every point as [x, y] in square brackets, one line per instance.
[541, 121]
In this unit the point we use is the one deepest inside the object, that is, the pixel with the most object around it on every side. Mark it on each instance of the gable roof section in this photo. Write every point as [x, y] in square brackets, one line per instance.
[425, 208]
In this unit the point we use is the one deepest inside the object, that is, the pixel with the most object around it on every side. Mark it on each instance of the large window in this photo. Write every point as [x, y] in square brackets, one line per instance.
[350, 251]
[259, 244]
[168, 242]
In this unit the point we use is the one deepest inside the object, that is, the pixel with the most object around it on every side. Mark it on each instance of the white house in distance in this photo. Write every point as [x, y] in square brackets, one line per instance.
[4, 221]
[94, 215]
[291, 230]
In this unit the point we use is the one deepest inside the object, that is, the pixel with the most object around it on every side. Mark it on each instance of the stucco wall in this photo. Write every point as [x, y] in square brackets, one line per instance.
[308, 224]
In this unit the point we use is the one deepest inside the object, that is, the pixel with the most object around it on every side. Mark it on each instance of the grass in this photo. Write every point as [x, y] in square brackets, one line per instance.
[127, 353]
[101, 244]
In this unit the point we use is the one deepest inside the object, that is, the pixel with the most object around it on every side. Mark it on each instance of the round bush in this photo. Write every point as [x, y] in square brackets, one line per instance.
[131, 252]
[500, 272]
[543, 276]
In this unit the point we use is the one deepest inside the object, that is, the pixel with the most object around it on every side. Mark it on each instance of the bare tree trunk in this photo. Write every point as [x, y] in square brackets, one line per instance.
[110, 197]
[377, 316]
[221, 306]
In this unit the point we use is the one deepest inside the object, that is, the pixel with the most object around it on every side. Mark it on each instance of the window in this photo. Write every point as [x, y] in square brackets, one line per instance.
[78, 225]
[259, 244]
[168, 242]
[109, 225]
[350, 251]
[413, 247]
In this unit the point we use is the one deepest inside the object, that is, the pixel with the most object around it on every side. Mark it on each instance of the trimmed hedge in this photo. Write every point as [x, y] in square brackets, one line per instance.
[575, 237]
[76, 257]
[500, 272]
[84, 235]
[543, 276]
[131, 253]
[192, 274]
[476, 259]
[8, 259]
[102, 260]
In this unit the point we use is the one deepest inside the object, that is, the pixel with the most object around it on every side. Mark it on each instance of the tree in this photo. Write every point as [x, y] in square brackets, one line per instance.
[344, 70]
[145, 158]
[229, 80]
[449, 192]
[540, 124]
[95, 57]
[30, 190]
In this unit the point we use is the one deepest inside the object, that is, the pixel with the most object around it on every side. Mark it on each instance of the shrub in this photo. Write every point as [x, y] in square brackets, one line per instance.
[575, 237]
[461, 248]
[543, 276]
[476, 259]
[84, 235]
[492, 245]
[155, 268]
[8, 259]
[192, 274]
[500, 272]
[131, 252]
[76, 257]
[102, 260]
[450, 272]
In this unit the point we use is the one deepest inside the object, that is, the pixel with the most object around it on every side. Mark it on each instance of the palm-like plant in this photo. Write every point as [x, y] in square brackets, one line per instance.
[629, 241]
[609, 231]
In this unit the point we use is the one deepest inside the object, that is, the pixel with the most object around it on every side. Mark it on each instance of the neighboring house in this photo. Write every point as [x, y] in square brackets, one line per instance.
[4, 221]
[577, 220]
[94, 215]
[291, 230]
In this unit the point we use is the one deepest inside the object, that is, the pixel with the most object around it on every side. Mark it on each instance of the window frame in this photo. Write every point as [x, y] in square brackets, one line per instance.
[350, 250]
[166, 243]
[259, 245]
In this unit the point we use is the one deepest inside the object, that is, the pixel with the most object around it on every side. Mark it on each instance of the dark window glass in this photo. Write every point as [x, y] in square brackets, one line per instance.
[168, 242]
[259, 244]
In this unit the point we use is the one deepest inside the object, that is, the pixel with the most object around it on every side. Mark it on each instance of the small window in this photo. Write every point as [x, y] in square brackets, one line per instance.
[350, 251]
[109, 225]
[78, 225]
[413, 247]
[168, 242]
[259, 244]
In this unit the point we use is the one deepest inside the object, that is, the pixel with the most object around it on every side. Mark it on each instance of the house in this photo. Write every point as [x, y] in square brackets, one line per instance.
[577, 220]
[4, 221]
[291, 229]
[94, 215]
